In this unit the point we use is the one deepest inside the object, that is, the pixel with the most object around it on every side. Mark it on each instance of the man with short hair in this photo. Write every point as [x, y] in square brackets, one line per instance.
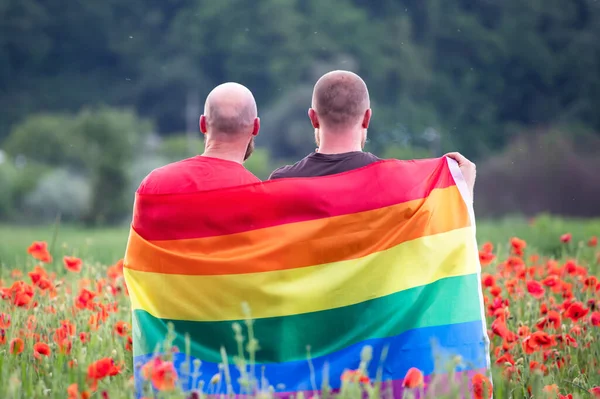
[229, 123]
[340, 114]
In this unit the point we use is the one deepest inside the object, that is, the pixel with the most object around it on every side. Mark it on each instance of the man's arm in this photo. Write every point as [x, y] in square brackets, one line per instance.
[467, 168]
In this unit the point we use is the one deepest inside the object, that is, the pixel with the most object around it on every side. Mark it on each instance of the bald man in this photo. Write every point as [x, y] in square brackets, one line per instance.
[230, 123]
[340, 115]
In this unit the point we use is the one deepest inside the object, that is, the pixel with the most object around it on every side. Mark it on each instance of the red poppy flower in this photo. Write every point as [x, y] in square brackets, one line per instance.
[551, 320]
[122, 328]
[72, 263]
[593, 241]
[565, 238]
[16, 346]
[482, 387]
[488, 280]
[102, 368]
[595, 392]
[355, 376]
[495, 291]
[576, 311]
[39, 251]
[567, 396]
[4, 320]
[571, 267]
[485, 258]
[413, 378]
[518, 246]
[535, 289]
[84, 337]
[595, 319]
[41, 349]
[73, 393]
[2, 337]
[500, 329]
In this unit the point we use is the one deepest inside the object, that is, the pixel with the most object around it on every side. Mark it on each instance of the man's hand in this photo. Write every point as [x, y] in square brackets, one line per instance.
[467, 168]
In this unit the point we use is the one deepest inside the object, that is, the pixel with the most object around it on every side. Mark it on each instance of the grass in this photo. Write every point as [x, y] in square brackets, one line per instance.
[93, 303]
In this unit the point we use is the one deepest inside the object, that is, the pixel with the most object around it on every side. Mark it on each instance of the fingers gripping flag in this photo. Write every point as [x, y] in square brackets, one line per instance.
[383, 256]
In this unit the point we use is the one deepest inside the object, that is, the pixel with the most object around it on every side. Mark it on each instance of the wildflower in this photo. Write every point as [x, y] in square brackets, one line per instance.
[500, 329]
[566, 238]
[41, 349]
[115, 271]
[102, 368]
[413, 378]
[576, 311]
[482, 387]
[39, 251]
[595, 392]
[84, 299]
[72, 263]
[16, 346]
[551, 389]
[84, 337]
[571, 267]
[518, 246]
[4, 320]
[538, 340]
[347, 375]
[485, 258]
[495, 291]
[535, 289]
[567, 396]
[537, 366]
[595, 319]
[593, 241]
[162, 374]
[2, 337]
[73, 392]
[122, 328]
[551, 281]
[488, 280]
[552, 319]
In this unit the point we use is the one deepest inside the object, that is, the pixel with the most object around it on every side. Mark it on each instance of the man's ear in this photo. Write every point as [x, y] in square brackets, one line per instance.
[256, 127]
[314, 119]
[366, 119]
[203, 128]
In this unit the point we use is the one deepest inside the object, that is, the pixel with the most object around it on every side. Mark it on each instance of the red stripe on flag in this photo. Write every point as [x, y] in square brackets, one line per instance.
[277, 202]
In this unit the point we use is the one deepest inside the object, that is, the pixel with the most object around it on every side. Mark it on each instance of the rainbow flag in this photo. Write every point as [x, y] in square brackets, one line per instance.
[383, 256]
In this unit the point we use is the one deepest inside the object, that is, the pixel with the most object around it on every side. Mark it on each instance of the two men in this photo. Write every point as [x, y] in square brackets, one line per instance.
[340, 115]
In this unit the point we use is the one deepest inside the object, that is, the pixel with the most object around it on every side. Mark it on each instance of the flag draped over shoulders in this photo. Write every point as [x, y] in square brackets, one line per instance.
[384, 256]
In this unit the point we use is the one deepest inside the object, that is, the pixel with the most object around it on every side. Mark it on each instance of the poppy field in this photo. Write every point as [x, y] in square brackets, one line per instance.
[65, 328]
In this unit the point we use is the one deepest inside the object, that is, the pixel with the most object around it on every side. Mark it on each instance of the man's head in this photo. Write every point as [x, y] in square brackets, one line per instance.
[340, 107]
[230, 118]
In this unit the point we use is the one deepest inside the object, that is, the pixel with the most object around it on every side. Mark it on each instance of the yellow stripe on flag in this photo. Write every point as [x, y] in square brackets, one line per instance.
[309, 289]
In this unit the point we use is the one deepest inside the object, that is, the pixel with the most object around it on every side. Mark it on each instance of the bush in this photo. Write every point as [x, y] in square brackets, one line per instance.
[48, 139]
[113, 138]
[545, 172]
[59, 192]
[177, 147]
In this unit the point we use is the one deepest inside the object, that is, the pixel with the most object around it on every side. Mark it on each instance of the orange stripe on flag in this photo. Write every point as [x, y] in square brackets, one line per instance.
[301, 244]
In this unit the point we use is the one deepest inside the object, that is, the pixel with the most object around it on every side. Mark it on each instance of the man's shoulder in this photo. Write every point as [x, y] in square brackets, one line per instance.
[158, 175]
[288, 170]
[195, 174]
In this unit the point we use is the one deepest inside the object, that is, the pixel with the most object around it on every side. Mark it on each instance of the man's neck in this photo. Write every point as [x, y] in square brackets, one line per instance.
[225, 152]
[338, 144]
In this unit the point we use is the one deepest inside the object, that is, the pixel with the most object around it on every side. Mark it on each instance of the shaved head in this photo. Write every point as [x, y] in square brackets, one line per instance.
[230, 110]
[340, 99]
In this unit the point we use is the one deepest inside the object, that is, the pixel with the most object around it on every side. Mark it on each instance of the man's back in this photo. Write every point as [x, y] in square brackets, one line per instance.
[199, 173]
[317, 164]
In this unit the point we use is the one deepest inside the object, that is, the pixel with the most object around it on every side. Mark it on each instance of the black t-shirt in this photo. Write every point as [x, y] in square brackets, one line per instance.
[317, 164]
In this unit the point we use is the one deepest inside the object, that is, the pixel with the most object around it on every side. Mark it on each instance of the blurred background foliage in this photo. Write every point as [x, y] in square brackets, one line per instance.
[94, 95]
